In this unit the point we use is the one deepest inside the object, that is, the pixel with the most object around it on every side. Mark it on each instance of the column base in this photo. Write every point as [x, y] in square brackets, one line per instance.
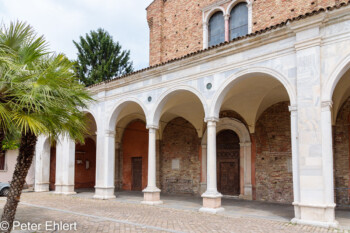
[246, 197]
[151, 196]
[315, 215]
[104, 193]
[64, 189]
[211, 210]
[248, 192]
[41, 187]
[211, 202]
[203, 188]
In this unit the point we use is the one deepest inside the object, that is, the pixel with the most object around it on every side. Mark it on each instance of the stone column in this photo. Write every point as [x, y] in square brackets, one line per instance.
[227, 27]
[295, 159]
[151, 192]
[327, 159]
[158, 163]
[246, 160]
[204, 169]
[104, 188]
[250, 16]
[205, 35]
[117, 166]
[42, 164]
[211, 197]
[65, 165]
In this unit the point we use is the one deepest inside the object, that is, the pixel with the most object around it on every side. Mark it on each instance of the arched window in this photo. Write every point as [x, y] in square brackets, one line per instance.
[216, 29]
[239, 21]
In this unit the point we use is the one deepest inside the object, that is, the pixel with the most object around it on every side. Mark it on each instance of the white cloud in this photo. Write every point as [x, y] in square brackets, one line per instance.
[62, 21]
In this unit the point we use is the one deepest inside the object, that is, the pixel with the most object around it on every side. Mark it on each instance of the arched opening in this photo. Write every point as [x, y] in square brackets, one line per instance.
[180, 159]
[239, 20]
[131, 146]
[135, 156]
[341, 140]
[228, 164]
[65, 165]
[180, 114]
[237, 138]
[216, 28]
[261, 102]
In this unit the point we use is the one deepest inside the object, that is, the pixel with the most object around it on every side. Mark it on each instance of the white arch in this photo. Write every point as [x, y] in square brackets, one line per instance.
[230, 82]
[92, 114]
[245, 152]
[113, 116]
[234, 3]
[231, 124]
[250, 12]
[125, 122]
[212, 12]
[336, 75]
[162, 100]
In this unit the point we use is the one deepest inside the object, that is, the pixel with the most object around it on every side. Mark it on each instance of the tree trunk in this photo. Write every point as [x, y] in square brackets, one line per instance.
[2, 137]
[24, 161]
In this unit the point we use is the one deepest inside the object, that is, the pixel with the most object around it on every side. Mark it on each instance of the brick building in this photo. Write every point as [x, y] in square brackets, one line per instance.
[242, 98]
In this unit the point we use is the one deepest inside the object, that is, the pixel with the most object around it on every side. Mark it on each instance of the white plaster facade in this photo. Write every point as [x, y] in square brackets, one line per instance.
[301, 62]
[10, 163]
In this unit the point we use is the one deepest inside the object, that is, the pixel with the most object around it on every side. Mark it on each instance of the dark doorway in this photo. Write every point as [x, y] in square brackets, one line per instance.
[228, 163]
[52, 168]
[136, 168]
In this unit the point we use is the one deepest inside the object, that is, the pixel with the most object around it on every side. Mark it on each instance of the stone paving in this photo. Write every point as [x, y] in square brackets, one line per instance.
[116, 216]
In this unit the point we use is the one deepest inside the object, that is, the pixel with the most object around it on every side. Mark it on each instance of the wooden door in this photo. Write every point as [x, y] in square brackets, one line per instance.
[229, 178]
[52, 168]
[136, 168]
[228, 163]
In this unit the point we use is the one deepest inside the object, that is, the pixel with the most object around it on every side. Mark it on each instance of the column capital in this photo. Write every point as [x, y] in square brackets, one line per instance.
[326, 105]
[205, 24]
[245, 144]
[107, 133]
[293, 108]
[155, 127]
[211, 119]
[227, 17]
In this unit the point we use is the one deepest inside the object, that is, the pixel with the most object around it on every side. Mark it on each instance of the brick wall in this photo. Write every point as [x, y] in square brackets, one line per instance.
[85, 177]
[176, 25]
[180, 142]
[341, 155]
[134, 144]
[273, 156]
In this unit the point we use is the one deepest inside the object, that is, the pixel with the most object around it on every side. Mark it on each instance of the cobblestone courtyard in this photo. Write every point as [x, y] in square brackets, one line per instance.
[116, 216]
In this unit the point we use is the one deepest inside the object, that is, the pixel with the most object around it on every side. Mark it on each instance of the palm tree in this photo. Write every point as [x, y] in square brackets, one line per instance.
[40, 96]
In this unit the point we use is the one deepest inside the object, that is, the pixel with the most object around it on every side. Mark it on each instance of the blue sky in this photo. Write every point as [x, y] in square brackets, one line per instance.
[62, 21]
